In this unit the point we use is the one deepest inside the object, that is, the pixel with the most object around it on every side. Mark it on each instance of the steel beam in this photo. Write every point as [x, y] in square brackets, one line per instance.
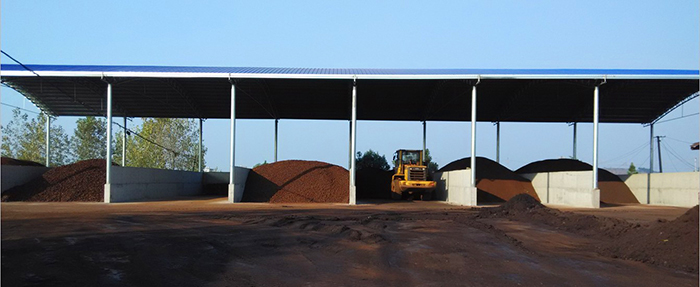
[651, 161]
[424, 141]
[124, 144]
[199, 148]
[232, 163]
[277, 122]
[498, 142]
[108, 178]
[574, 154]
[596, 115]
[473, 148]
[353, 144]
[48, 139]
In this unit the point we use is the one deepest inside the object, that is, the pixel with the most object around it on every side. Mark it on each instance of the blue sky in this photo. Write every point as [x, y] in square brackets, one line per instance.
[387, 34]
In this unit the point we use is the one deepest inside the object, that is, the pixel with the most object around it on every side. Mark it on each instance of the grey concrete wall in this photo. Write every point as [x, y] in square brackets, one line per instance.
[235, 191]
[570, 188]
[675, 188]
[454, 187]
[142, 184]
[14, 175]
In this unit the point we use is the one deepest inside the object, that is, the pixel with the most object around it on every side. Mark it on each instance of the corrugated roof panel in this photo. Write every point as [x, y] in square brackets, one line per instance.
[337, 71]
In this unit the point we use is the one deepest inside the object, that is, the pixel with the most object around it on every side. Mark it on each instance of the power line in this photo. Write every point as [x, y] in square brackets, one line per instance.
[176, 153]
[18, 62]
[23, 109]
[682, 141]
[676, 155]
[631, 154]
[678, 118]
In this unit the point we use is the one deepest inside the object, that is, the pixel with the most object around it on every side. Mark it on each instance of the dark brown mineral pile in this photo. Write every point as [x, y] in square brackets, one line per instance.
[612, 189]
[80, 181]
[297, 181]
[494, 181]
[673, 244]
[524, 208]
[12, 161]
[373, 183]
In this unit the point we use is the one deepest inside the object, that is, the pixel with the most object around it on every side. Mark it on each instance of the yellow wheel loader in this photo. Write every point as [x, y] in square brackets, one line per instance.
[411, 176]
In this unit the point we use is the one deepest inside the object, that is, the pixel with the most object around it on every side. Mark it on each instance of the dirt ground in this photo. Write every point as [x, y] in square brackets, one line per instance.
[208, 242]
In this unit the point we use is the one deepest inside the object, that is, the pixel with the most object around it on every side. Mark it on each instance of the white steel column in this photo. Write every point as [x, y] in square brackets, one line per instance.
[232, 192]
[596, 114]
[277, 121]
[651, 148]
[574, 155]
[424, 138]
[108, 177]
[351, 156]
[199, 148]
[498, 142]
[473, 151]
[48, 139]
[353, 143]
[651, 161]
[124, 144]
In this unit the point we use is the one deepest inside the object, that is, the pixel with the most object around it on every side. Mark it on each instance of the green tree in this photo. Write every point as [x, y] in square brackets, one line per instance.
[371, 159]
[432, 166]
[162, 143]
[89, 138]
[632, 169]
[260, 164]
[25, 139]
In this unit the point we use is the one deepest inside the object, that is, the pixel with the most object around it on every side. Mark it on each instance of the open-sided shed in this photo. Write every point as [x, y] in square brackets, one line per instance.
[495, 95]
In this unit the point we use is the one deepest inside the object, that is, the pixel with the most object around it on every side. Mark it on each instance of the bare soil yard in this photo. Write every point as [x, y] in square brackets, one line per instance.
[210, 242]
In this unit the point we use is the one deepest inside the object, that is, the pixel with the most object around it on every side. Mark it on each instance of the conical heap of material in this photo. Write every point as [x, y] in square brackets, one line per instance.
[612, 188]
[673, 244]
[12, 161]
[297, 181]
[80, 181]
[522, 202]
[494, 181]
[374, 183]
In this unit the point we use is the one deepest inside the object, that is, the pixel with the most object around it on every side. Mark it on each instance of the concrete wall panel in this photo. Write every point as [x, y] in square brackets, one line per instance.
[453, 187]
[14, 175]
[571, 188]
[675, 189]
[142, 184]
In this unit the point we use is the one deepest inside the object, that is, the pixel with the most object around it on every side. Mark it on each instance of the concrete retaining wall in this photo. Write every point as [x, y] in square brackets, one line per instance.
[454, 187]
[14, 175]
[143, 184]
[571, 188]
[676, 188]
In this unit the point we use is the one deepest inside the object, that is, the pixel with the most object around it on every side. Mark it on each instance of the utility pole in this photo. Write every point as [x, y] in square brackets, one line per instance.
[658, 145]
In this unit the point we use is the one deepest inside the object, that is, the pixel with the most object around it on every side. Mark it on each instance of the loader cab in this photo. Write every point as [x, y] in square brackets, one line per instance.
[410, 177]
[407, 157]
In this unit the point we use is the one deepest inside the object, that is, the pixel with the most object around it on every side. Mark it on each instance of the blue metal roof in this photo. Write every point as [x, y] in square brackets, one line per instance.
[343, 71]
[508, 95]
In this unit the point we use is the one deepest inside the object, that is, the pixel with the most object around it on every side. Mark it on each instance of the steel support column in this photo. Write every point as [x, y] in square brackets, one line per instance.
[232, 192]
[124, 144]
[574, 154]
[353, 143]
[277, 121]
[424, 141]
[498, 142]
[651, 161]
[472, 163]
[199, 148]
[596, 115]
[108, 159]
[48, 139]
